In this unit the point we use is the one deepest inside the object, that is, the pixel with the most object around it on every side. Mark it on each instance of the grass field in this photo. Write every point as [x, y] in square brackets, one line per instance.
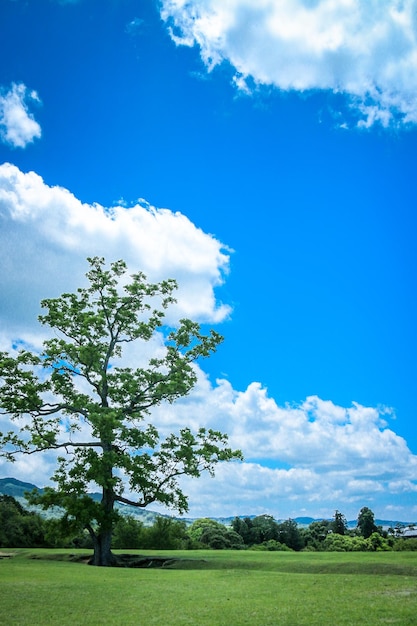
[213, 588]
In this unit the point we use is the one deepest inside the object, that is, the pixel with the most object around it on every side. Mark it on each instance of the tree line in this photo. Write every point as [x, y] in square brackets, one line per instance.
[20, 528]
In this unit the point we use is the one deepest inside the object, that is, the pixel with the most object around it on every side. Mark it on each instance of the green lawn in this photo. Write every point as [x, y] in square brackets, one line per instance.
[214, 588]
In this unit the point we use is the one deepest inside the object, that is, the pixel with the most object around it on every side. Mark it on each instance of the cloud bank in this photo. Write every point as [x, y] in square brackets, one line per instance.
[306, 459]
[310, 457]
[17, 125]
[364, 49]
[46, 233]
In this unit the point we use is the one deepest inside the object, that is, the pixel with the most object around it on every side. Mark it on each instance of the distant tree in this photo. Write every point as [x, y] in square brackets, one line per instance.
[222, 539]
[290, 534]
[264, 528]
[398, 529]
[198, 527]
[212, 534]
[314, 535]
[62, 533]
[80, 384]
[366, 522]
[337, 543]
[19, 528]
[128, 533]
[339, 524]
[165, 533]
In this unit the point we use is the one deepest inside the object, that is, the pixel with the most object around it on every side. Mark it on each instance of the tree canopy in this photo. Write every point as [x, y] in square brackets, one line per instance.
[366, 522]
[79, 397]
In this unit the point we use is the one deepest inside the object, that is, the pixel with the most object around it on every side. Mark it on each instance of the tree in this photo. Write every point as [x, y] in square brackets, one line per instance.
[244, 528]
[128, 533]
[19, 528]
[264, 528]
[339, 524]
[316, 533]
[78, 384]
[213, 534]
[165, 533]
[366, 522]
[289, 533]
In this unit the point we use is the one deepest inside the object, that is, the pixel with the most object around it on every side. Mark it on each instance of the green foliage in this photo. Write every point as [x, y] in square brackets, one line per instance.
[400, 545]
[19, 528]
[315, 534]
[79, 383]
[340, 543]
[166, 533]
[366, 522]
[244, 528]
[290, 535]
[339, 524]
[263, 529]
[209, 533]
[128, 533]
[271, 546]
[378, 543]
[59, 533]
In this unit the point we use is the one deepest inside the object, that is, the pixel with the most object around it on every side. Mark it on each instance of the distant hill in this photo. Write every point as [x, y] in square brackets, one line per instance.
[18, 488]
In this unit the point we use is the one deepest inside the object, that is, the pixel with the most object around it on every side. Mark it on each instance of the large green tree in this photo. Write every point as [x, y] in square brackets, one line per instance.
[339, 523]
[366, 522]
[79, 396]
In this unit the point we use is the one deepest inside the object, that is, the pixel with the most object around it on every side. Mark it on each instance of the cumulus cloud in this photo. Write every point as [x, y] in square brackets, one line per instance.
[365, 49]
[17, 125]
[314, 454]
[309, 458]
[46, 233]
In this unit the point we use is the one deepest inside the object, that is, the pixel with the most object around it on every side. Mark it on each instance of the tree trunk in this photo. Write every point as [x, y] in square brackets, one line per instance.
[103, 555]
[102, 539]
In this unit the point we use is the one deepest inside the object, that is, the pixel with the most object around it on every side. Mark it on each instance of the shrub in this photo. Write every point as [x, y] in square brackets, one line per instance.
[405, 544]
[272, 546]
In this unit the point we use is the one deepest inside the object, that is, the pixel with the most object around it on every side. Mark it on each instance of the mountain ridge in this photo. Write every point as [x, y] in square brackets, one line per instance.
[17, 489]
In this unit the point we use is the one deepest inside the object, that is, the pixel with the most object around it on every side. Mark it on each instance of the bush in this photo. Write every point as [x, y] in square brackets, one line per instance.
[405, 544]
[377, 543]
[208, 533]
[272, 546]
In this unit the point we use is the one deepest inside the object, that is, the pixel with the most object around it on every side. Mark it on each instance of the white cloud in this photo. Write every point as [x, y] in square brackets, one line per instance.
[46, 233]
[365, 49]
[314, 456]
[17, 125]
[309, 458]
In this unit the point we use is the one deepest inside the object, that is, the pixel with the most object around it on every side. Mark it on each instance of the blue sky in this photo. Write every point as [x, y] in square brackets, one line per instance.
[274, 154]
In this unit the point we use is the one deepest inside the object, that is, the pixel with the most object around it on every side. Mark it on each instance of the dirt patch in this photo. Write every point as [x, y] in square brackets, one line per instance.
[140, 561]
[125, 560]
[7, 555]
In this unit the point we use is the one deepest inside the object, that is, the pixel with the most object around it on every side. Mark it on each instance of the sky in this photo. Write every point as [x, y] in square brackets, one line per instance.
[263, 153]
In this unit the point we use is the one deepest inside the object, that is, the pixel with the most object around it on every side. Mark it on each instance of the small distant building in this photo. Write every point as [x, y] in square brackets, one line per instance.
[409, 533]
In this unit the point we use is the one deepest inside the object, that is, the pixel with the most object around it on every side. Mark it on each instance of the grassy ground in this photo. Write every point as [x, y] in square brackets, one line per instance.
[213, 589]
